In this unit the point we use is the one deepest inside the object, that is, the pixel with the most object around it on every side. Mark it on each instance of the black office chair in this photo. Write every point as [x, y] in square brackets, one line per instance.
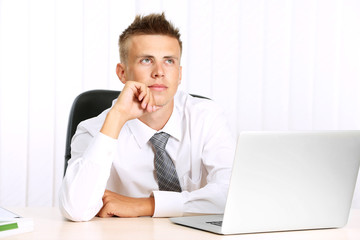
[87, 105]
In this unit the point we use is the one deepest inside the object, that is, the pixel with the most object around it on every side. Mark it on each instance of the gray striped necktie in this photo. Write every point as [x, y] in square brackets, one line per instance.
[168, 179]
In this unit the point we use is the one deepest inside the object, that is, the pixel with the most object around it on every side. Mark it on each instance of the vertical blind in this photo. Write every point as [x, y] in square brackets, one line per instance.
[271, 65]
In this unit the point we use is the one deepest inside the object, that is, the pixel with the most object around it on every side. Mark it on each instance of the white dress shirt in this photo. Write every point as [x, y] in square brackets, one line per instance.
[200, 144]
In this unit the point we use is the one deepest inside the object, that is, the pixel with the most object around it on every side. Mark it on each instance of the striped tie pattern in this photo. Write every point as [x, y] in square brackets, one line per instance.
[165, 170]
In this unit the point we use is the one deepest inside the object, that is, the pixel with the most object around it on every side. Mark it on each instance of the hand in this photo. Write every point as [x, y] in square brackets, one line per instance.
[118, 205]
[134, 101]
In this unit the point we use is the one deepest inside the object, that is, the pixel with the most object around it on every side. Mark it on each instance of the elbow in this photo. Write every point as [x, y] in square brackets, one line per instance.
[74, 212]
[74, 215]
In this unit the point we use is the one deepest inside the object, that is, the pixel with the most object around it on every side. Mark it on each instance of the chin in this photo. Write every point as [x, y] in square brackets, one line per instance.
[160, 101]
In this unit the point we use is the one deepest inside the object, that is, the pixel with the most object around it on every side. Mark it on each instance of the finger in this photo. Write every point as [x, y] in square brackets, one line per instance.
[142, 91]
[145, 101]
[155, 108]
[136, 88]
[151, 104]
[142, 94]
[106, 193]
[105, 212]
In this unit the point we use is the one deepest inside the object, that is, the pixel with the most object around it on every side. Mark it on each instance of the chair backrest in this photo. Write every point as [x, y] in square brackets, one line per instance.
[87, 105]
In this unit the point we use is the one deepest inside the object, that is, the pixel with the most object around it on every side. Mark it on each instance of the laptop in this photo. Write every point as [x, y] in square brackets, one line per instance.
[284, 181]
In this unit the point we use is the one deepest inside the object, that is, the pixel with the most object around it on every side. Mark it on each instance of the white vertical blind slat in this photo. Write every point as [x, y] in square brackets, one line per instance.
[349, 61]
[200, 40]
[325, 93]
[69, 75]
[95, 43]
[276, 65]
[302, 64]
[225, 57]
[251, 65]
[41, 103]
[144, 7]
[14, 102]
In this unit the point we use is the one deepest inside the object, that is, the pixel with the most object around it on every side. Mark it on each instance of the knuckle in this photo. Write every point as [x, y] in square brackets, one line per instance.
[106, 199]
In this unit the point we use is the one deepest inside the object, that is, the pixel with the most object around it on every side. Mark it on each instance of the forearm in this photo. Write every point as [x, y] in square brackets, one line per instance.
[146, 206]
[113, 123]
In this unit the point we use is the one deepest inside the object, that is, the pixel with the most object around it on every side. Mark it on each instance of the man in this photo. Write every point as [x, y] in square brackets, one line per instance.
[118, 167]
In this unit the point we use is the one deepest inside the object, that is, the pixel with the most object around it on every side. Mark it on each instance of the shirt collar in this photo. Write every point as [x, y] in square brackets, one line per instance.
[173, 126]
[143, 133]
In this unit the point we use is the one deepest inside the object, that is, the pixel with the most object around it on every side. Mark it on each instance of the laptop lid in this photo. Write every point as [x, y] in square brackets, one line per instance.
[292, 181]
[288, 181]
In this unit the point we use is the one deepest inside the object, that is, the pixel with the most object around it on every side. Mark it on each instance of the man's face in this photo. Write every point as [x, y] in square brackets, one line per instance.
[155, 61]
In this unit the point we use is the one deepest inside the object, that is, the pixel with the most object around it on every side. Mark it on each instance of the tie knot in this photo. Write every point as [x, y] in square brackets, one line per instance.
[159, 140]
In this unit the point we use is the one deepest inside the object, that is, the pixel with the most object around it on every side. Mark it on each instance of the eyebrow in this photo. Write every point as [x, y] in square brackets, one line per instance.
[151, 56]
[171, 56]
[143, 55]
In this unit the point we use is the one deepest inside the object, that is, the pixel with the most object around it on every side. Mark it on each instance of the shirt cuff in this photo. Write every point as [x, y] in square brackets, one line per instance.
[168, 204]
[101, 150]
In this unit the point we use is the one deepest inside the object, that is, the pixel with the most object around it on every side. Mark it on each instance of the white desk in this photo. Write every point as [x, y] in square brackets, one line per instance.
[49, 224]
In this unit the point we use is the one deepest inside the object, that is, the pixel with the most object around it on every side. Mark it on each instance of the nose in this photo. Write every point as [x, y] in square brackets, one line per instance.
[158, 71]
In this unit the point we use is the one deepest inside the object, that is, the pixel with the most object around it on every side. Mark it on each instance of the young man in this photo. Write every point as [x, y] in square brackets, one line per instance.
[157, 151]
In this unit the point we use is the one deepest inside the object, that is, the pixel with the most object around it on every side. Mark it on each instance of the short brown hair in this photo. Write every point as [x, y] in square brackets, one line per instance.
[151, 24]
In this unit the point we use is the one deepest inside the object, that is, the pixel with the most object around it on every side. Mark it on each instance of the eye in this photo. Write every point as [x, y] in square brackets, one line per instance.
[170, 61]
[146, 60]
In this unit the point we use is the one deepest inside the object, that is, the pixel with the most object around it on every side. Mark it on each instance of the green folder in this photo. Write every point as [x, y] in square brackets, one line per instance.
[6, 225]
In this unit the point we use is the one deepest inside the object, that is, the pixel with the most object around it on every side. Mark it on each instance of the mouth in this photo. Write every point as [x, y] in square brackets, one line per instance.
[158, 87]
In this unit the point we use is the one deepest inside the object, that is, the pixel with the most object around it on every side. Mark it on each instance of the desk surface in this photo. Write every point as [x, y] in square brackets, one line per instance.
[49, 224]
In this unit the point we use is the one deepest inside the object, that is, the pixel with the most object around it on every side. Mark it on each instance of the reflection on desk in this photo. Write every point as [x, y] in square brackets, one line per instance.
[49, 224]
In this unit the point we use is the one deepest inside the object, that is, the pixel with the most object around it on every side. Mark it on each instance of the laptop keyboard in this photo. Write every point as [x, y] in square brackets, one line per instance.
[217, 223]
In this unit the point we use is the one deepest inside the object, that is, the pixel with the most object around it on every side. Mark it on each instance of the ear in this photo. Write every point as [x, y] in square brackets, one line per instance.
[120, 72]
[180, 75]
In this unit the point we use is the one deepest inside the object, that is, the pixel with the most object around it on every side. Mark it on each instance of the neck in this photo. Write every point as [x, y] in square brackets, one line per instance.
[157, 120]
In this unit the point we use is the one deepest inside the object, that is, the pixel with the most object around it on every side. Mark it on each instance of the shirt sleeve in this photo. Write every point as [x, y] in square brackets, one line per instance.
[86, 175]
[168, 204]
[218, 150]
